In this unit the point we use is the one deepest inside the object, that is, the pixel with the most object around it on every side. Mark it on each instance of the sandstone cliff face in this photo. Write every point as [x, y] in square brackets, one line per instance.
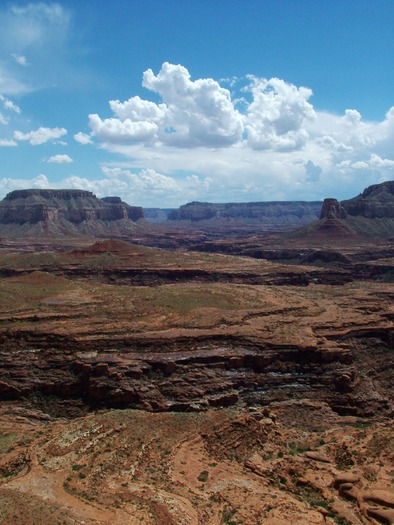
[62, 211]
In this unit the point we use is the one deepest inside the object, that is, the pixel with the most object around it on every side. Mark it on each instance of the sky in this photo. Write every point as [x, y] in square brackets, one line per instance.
[167, 102]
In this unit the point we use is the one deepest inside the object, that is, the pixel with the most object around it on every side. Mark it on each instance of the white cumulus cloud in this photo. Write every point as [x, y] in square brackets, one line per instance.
[40, 135]
[138, 109]
[273, 145]
[374, 161]
[60, 159]
[7, 184]
[144, 187]
[82, 138]
[196, 113]
[122, 131]
[40, 182]
[276, 117]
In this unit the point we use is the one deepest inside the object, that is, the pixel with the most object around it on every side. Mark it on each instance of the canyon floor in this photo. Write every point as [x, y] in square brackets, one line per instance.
[140, 385]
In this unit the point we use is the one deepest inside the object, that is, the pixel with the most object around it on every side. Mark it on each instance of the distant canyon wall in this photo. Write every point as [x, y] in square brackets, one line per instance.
[292, 213]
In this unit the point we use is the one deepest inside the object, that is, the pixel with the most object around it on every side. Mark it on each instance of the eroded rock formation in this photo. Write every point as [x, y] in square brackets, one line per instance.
[332, 210]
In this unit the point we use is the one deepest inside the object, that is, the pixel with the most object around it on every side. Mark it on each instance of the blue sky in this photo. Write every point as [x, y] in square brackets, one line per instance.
[163, 103]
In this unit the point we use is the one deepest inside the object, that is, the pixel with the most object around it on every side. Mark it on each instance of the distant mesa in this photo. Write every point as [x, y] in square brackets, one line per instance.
[64, 212]
[275, 213]
[78, 212]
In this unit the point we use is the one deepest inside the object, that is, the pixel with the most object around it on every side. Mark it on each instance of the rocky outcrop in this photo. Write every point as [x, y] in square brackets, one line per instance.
[332, 210]
[270, 213]
[332, 221]
[64, 211]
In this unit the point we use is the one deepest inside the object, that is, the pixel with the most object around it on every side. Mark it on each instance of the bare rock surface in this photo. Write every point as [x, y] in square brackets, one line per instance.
[215, 467]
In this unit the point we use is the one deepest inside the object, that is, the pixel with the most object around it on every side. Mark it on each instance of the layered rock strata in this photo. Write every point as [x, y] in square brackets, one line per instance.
[66, 211]
[194, 374]
[186, 339]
